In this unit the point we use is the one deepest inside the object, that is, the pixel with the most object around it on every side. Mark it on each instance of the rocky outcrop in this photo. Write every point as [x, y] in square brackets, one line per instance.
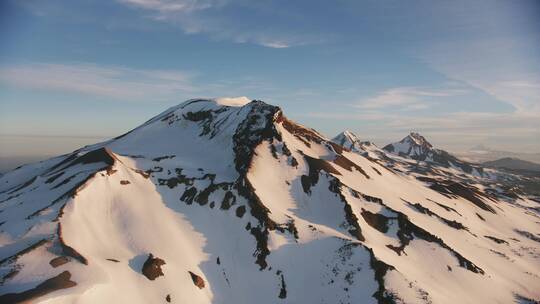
[197, 280]
[152, 267]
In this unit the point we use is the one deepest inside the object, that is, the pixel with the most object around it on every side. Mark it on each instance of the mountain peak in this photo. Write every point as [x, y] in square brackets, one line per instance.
[214, 195]
[413, 145]
[348, 140]
[417, 139]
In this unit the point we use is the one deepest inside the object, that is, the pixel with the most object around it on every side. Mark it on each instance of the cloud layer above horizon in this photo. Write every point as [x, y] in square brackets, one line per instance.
[462, 73]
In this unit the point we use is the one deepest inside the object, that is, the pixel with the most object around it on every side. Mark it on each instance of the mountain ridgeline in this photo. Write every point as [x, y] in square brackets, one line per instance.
[229, 201]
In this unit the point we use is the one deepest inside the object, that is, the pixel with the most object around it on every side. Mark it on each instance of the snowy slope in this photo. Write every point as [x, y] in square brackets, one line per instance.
[228, 201]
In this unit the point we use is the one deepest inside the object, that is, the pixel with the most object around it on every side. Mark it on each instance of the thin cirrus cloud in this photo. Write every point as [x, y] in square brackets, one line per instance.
[495, 67]
[406, 98]
[107, 81]
[167, 6]
[225, 20]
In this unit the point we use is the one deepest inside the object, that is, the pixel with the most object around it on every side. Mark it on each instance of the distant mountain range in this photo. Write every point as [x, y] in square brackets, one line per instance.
[481, 153]
[513, 163]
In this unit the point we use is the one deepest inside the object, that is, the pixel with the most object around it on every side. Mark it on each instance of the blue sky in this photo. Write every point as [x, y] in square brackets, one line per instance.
[460, 72]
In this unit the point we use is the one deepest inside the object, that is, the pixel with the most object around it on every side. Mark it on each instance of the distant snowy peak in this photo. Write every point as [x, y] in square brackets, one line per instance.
[350, 141]
[413, 145]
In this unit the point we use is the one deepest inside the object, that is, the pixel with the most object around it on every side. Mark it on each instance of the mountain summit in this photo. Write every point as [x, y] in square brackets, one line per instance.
[350, 141]
[415, 146]
[229, 201]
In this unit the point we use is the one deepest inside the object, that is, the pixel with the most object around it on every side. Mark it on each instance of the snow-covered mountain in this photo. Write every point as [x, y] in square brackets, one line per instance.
[350, 141]
[228, 201]
[415, 146]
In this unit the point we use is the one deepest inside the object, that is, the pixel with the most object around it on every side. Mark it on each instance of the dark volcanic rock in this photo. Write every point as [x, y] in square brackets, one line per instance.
[240, 211]
[152, 267]
[58, 261]
[315, 166]
[61, 281]
[197, 280]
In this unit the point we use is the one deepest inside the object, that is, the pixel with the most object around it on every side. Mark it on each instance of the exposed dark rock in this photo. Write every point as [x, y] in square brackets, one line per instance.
[228, 200]
[375, 169]
[290, 227]
[337, 148]
[302, 133]
[257, 127]
[125, 182]
[418, 207]
[469, 193]
[240, 211]
[54, 177]
[315, 166]
[447, 208]
[10, 275]
[61, 281]
[152, 267]
[376, 220]
[160, 158]
[273, 150]
[28, 249]
[189, 195]
[408, 231]
[283, 289]
[347, 164]
[294, 162]
[496, 240]
[65, 181]
[380, 268]
[198, 116]
[352, 220]
[285, 150]
[528, 235]
[197, 280]
[524, 300]
[23, 185]
[58, 261]
[103, 155]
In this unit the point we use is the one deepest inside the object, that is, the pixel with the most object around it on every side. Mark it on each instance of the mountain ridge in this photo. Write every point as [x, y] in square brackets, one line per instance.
[216, 196]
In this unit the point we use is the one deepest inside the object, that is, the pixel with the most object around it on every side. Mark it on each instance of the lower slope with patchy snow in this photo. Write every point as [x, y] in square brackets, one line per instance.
[225, 201]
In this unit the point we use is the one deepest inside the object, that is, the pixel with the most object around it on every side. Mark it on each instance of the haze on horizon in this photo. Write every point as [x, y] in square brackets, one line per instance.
[461, 73]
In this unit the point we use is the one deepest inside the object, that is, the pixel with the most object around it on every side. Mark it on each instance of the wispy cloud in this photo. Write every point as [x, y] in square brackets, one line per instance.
[109, 81]
[229, 20]
[498, 67]
[406, 98]
[167, 6]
